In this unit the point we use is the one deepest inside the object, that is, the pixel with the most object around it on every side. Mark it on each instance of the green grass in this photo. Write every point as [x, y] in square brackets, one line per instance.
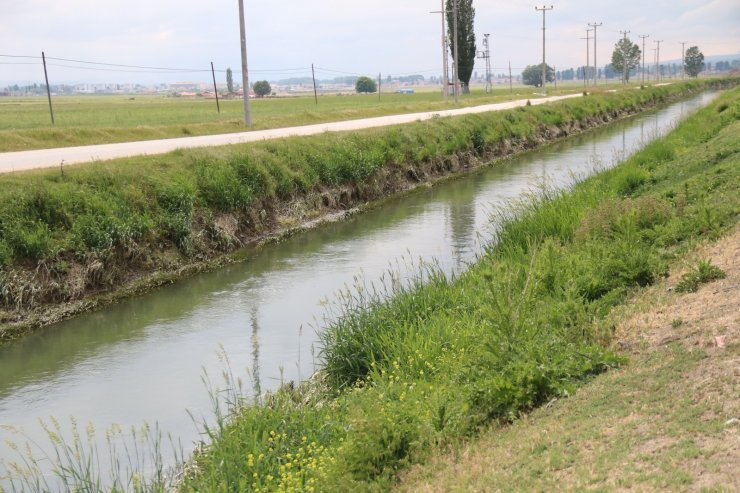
[81, 120]
[704, 272]
[443, 358]
[64, 232]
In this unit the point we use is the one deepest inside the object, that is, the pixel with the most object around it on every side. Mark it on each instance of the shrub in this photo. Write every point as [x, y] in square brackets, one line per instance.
[704, 272]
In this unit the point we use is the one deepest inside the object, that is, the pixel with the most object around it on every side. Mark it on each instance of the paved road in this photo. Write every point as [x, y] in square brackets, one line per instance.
[48, 158]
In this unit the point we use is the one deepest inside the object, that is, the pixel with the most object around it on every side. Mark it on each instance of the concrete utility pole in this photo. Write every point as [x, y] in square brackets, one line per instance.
[511, 84]
[643, 36]
[455, 65]
[486, 54]
[657, 59]
[624, 58]
[245, 71]
[588, 57]
[445, 69]
[596, 65]
[683, 59]
[544, 66]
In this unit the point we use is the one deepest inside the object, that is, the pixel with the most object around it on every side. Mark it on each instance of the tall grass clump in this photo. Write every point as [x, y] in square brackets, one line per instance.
[409, 369]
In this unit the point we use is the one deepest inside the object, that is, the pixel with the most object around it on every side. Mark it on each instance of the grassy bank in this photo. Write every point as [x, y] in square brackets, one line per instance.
[83, 230]
[82, 120]
[528, 322]
[667, 421]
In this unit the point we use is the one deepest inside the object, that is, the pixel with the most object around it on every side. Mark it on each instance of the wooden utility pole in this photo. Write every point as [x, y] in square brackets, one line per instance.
[48, 89]
[379, 81]
[657, 59]
[544, 66]
[215, 91]
[245, 71]
[683, 59]
[315, 94]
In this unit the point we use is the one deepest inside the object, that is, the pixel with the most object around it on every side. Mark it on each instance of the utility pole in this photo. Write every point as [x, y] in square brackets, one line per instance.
[445, 69]
[455, 66]
[657, 59]
[683, 59]
[245, 72]
[596, 65]
[643, 36]
[544, 66]
[588, 57]
[379, 82]
[48, 89]
[215, 90]
[624, 57]
[486, 54]
[315, 94]
[511, 84]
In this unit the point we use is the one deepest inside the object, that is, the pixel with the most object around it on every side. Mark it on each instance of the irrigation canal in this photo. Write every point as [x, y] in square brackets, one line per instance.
[143, 360]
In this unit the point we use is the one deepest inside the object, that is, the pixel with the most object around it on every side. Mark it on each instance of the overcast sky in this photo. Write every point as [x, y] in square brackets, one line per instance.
[285, 37]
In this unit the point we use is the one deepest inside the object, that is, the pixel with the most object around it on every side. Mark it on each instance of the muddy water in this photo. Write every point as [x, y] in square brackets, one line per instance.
[143, 360]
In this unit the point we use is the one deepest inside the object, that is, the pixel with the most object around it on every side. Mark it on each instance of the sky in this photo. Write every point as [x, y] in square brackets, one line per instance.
[340, 37]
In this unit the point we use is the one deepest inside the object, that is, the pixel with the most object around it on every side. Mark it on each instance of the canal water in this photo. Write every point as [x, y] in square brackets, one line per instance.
[144, 360]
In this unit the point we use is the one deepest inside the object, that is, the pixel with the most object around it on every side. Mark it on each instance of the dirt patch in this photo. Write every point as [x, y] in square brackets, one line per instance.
[708, 318]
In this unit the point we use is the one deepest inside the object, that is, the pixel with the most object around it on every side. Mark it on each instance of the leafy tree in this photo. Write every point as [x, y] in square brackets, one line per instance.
[365, 84]
[693, 63]
[229, 80]
[465, 39]
[625, 57]
[262, 88]
[532, 75]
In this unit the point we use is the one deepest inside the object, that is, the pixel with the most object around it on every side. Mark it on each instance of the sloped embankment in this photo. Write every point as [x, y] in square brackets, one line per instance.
[76, 238]
[529, 322]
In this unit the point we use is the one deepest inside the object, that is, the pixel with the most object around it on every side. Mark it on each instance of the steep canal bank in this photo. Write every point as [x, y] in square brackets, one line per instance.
[82, 239]
[141, 360]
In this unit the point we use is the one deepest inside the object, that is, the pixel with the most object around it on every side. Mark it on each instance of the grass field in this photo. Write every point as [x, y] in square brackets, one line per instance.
[80, 120]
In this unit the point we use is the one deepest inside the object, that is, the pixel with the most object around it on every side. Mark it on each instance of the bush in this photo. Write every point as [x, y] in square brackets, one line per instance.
[365, 85]
[704, 272]
[262, 88]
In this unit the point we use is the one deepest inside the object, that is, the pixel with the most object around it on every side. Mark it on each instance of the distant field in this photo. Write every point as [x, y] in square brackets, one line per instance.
[82, 120]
